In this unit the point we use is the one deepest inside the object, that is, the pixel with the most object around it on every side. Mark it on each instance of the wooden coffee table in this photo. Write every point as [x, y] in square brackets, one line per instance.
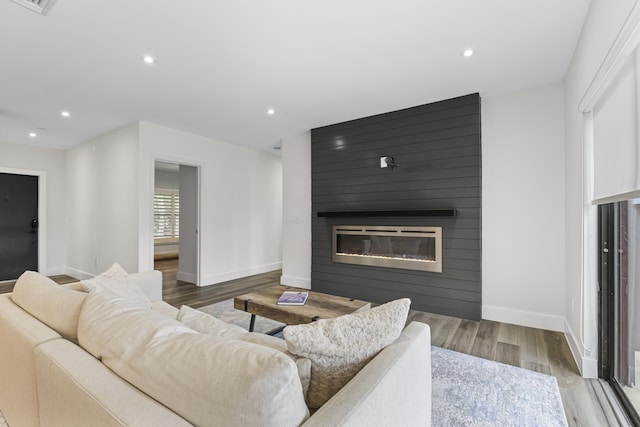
[262, 302]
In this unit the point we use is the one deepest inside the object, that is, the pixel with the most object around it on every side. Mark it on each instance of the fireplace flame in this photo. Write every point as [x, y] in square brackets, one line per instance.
[387, 257]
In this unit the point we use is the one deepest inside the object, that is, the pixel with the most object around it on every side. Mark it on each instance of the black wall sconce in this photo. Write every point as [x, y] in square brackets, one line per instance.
[388, 162]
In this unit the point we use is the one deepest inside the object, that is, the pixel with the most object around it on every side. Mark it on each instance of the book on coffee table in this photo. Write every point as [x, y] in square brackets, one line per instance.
[293, 298]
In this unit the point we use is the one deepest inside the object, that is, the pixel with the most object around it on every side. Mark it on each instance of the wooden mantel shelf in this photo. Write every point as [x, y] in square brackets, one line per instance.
[400, 213]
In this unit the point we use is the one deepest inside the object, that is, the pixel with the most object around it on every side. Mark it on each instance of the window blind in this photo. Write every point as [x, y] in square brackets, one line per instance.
[615, 136]
[166, 214]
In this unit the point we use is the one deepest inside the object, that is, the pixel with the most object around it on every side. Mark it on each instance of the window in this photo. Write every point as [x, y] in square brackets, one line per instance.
[612, 162]
[166, 215]
[619, 341]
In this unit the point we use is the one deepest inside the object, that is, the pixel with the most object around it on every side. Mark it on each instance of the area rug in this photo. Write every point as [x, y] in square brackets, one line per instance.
[470, 391]
[466, 390]
[3, 423]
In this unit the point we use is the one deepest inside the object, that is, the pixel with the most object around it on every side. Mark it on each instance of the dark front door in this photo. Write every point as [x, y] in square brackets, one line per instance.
[18, 225]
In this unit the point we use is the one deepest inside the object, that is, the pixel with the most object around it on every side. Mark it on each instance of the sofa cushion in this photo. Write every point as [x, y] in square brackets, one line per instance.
[117, 280]
[340, 347]
[207, 380]
[207, 324]
[55, 306]
[76, 286]
[75, 389]
[164, 308]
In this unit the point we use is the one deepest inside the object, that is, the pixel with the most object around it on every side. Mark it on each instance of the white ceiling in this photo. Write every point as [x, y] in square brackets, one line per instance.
[222, 64]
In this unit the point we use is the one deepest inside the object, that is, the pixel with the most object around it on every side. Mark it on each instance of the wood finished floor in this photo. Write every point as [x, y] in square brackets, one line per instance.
[534, 349]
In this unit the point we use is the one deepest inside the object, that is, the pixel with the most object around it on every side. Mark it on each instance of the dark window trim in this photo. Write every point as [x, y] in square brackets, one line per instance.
[608, 267]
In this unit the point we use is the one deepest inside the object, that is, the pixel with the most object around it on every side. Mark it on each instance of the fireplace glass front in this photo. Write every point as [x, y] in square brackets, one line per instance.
[412, 248]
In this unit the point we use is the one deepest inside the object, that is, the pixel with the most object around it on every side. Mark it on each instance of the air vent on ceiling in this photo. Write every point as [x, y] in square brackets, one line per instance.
[39, 6]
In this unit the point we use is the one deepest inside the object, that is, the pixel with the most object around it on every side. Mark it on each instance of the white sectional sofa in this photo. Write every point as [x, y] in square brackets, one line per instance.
[48, 379]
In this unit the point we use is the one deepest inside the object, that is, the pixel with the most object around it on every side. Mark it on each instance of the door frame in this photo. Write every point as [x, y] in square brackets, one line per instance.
[612, 316]
[198, 166]
[42, 211]
[606, 344]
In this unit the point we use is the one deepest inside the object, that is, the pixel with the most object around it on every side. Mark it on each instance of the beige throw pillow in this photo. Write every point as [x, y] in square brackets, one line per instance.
[211, 325]
[55, 306]
[209, 381]
[340, 347]
[117, 280]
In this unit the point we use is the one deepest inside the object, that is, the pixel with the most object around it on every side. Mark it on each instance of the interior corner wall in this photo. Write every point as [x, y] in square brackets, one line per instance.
[296, 228]
[102, 188]
[438, 148]
[523, 240]
[241, 202]
[53, 163]
[602, 25]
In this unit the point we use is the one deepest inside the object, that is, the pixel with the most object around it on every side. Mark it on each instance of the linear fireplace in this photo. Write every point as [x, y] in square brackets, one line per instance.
[412, 248]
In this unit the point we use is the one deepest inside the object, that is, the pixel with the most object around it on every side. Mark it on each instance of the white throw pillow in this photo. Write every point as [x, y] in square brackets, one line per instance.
[211, 325]
[55, 306]
[117, 280]
[340, 347]
[208, 380]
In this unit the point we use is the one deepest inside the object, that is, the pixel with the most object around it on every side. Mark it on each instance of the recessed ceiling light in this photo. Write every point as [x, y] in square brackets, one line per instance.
[271, 111]
[32, 134]
[148, 59]
[65, 114]
[467, 53]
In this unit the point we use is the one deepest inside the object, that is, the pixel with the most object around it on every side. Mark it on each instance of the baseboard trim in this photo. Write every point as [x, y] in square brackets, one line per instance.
[296, 282]
[78, 274]
[524, 318]
[55, 271]
[587, 365]
[238, 274]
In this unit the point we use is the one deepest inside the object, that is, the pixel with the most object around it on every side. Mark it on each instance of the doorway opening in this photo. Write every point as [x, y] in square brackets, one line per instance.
[176, 221]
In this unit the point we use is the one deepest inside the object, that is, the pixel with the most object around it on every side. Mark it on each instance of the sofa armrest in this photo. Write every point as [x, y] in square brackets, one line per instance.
[150, 282]
[394, 388]
[20, 334]
[76, 389]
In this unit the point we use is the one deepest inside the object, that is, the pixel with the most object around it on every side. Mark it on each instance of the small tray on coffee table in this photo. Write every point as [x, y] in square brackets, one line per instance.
[263, 302]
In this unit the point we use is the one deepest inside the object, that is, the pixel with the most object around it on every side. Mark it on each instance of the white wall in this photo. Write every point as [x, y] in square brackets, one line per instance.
[523, 241]
[102, 186]
[296, 185]
[241, 202]
[602, 25]
[51, 165]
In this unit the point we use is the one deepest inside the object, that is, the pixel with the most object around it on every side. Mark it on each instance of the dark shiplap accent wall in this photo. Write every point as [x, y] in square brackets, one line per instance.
[438, 148]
